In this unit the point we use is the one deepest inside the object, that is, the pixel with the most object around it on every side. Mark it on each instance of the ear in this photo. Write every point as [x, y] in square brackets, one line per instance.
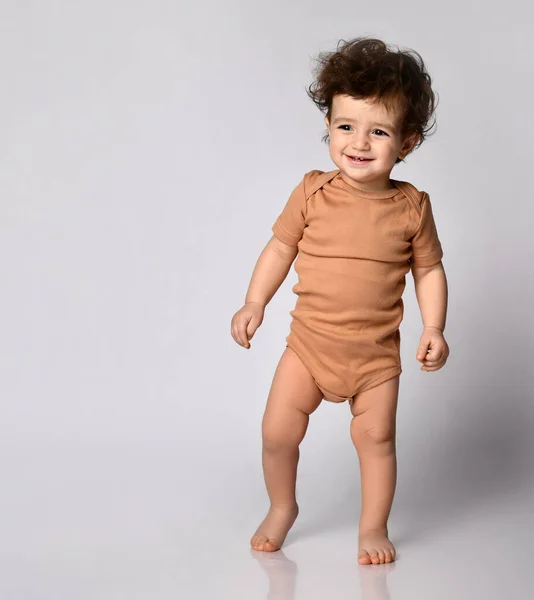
[327, 123]
[408, 145]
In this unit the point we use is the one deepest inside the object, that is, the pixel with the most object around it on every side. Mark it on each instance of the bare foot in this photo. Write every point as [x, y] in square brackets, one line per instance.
[374, 547]
[273, 530]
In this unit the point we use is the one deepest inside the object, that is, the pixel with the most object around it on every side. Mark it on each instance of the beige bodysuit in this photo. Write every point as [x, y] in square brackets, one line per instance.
[354, 250]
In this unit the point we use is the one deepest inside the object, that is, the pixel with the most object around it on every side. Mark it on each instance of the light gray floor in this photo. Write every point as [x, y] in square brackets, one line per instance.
[111, 521]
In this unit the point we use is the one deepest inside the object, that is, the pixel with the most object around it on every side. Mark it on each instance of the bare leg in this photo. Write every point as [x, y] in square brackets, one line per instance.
[373, 431]
[292, 398]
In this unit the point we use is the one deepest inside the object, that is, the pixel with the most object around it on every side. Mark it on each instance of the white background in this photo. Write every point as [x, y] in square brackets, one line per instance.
[146, 150]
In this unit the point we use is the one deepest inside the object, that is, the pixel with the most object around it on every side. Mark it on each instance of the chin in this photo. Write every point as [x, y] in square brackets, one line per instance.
[363, 177]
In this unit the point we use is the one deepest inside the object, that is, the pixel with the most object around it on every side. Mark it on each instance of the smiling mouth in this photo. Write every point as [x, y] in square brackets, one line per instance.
[360, 159]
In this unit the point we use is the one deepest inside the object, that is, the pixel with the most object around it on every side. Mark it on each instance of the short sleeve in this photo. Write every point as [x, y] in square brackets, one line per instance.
[426, 247]
[289, 226]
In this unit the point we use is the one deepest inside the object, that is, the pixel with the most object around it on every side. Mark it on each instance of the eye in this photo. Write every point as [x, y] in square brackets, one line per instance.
[380, 132]
[341, 126]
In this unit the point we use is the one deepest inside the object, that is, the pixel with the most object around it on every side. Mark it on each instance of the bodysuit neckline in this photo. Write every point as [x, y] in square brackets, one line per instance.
[340, 182]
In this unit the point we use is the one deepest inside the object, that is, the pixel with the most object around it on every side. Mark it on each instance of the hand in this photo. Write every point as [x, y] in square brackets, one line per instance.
[245, 322]
[433, 350]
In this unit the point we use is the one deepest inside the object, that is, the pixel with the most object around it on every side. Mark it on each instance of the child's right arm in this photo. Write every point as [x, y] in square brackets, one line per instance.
[270, 271]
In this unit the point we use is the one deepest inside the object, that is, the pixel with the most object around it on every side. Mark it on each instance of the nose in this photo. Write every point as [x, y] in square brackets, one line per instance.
[360, 141]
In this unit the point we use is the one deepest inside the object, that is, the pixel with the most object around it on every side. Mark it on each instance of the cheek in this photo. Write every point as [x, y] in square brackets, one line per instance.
[335, 143]
[331, 143]
[390, 151]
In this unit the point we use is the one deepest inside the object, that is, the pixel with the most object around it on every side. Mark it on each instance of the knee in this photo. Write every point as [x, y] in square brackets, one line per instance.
[277, 437]
[372, 436]
[275, 441]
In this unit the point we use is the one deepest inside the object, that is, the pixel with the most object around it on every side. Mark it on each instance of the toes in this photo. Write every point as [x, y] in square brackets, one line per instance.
[391, 554]
[264, 544]
[376, 556]
[271, 545]
[375, 559]
[258, 542]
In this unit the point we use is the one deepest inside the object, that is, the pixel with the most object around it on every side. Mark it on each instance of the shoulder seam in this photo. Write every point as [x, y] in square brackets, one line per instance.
[415, 197]
[318, 183]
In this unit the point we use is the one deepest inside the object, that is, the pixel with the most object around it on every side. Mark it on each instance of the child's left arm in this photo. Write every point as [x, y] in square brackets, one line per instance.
[431, 291]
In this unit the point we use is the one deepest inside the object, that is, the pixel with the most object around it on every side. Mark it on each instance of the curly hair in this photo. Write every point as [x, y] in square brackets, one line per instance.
[366, 68]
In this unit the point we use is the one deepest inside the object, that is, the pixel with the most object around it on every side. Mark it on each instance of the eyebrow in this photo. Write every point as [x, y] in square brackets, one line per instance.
[384, 125]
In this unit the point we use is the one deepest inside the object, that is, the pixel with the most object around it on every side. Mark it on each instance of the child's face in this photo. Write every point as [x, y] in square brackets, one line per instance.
[359, 128]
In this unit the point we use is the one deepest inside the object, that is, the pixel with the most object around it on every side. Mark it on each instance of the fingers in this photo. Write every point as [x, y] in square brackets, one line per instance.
[243, 328]
[421, 354]
[422, 351]
[433, 357]
[245, 322]
[436, 359]
[251, 328]
[239, 331]
[434, 368]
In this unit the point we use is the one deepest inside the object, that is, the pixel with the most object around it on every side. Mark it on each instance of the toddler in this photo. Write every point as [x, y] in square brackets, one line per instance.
[355, 233]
